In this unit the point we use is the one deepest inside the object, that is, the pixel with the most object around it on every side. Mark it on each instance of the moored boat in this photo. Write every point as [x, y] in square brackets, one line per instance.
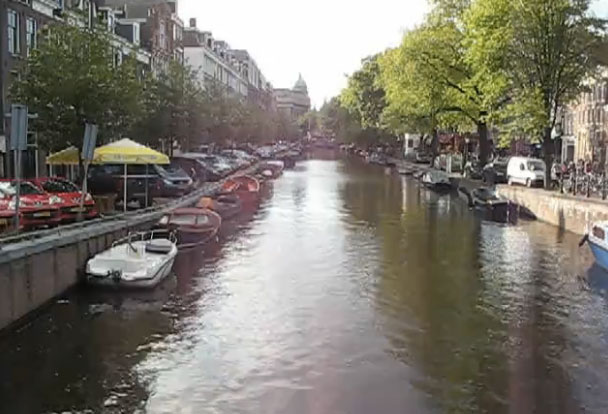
[436, 180]
[598, 243]
[139, 261]
[271, 169]
[245, 187]
[193, 226]
[227, 206]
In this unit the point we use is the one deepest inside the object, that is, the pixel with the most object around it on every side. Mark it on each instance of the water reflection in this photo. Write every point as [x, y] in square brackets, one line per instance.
[348, 291]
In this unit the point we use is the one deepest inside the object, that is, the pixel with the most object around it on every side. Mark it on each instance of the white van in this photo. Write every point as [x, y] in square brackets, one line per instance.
[526, 171]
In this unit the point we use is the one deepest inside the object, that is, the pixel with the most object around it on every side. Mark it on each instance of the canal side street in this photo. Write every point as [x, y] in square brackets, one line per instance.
[575, 214]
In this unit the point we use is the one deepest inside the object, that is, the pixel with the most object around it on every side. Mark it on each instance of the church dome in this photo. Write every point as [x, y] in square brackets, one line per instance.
[300, 85]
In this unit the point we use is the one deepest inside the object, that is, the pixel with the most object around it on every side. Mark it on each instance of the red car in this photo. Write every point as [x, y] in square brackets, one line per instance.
[7, 216]
[69, 195]
[37, 208]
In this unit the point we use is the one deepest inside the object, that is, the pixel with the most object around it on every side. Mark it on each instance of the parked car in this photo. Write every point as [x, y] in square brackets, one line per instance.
[218, 165]
[173, 180]
[37, 208]
[242, 158]
[495, 172]
[7, 216]
[526, 171]
[70, 196]
[199, 166]
[109, 179]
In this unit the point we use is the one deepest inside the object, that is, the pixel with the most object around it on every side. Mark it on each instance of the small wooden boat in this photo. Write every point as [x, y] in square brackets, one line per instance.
[245, 187]
[405, 170]
[193, 226]
[271, 169]
[227, 206]
[492, 206]
[436, 181]
[141, 260]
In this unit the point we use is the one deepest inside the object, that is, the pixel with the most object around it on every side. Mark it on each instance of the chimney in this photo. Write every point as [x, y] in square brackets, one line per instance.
[193, 22]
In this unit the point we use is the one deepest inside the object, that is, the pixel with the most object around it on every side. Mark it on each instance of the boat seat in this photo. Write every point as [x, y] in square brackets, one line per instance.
[159, 246]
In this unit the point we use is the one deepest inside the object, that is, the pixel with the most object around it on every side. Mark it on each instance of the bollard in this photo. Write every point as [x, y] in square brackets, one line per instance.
[604, 185]
[573, 179]
[588, 183]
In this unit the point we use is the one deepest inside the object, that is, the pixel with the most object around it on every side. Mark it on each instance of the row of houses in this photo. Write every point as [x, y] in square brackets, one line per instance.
[151, 30]
[584, 124]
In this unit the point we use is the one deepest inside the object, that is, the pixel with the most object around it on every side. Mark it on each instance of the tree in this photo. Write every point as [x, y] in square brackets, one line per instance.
[71, 79]
[417, 98]
[443, 50]
[364, 95]
[543, 48]
[173, 109]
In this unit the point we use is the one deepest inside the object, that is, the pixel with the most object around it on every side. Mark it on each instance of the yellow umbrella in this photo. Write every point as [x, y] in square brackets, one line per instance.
[127, 151]
[124, 151]
[68, 156]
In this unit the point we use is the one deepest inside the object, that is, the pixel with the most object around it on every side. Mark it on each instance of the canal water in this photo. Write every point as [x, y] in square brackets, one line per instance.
[351, 290]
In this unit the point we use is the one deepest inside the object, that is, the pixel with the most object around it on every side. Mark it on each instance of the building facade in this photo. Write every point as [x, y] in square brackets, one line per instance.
[154, 24]
[213, 61]
[293, 102]
[586, 122]
[21, 21]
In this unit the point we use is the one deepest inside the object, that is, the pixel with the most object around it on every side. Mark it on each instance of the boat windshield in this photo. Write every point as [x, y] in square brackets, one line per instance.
[536, 166]
[184, 219]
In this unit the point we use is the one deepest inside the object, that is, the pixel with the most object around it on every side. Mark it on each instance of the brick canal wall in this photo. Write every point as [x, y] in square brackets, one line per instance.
[569, 213]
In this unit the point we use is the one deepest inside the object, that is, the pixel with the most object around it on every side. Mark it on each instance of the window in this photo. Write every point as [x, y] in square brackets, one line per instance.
[162, 35]
[136, 34]
[30, 35]
[13, 32]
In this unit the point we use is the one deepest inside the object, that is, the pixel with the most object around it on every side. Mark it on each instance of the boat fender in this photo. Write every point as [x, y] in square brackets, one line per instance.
[584, 240]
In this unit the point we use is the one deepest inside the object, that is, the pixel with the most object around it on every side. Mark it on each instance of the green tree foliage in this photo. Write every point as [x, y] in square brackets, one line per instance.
[70, 79]
[543, 48]
[364, 95]
[419, 101]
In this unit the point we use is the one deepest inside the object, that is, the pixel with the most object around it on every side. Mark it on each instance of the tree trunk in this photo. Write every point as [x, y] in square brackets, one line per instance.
[484, 143]
[434, 146]
[548, 155]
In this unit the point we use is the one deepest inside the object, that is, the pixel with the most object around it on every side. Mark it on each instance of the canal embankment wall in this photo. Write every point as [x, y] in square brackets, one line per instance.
[38, 267]
[570, 213]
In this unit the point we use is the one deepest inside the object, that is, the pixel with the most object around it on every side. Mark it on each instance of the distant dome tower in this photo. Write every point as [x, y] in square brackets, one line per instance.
[300, 85]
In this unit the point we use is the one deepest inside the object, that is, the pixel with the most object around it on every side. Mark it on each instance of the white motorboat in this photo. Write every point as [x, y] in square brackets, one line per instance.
[141, 260]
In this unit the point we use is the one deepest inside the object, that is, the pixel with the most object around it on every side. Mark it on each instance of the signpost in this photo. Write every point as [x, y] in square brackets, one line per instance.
[19, 124]
[88, 151]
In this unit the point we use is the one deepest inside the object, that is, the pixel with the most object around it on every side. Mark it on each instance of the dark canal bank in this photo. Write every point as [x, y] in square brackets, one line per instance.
[349, 291]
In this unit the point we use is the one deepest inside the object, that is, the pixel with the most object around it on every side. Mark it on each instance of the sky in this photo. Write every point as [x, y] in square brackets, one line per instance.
[324, 40]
